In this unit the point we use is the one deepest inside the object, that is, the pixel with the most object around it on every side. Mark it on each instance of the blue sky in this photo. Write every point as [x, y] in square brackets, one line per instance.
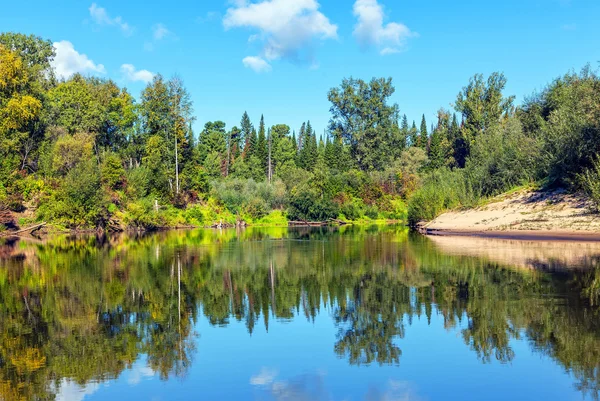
[280, 57]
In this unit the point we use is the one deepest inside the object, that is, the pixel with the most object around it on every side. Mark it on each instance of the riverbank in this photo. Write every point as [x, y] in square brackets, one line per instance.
[524, 214]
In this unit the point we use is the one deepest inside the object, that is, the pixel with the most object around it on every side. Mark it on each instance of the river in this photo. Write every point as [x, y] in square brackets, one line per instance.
[350, 313]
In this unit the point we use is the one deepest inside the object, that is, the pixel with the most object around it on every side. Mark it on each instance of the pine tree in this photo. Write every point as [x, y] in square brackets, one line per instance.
[246, 133]
[301, 136]
[423, 136]
[261, 145]
[252, 143]
[458, 143]
[313, 149]
[269, 156]
[295, 143]
[331, 159]
[440, 149]
[414, 135]
[321, 149]
[404, 127]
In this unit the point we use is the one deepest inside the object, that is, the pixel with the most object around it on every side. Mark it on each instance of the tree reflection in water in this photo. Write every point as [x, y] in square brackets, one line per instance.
[84, 309]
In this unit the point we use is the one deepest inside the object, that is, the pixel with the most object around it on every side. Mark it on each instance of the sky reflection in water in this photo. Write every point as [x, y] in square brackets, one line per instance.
[278, 314]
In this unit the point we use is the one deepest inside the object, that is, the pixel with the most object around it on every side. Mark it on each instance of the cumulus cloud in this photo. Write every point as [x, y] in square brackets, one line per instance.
[160, 31]
[101, 17]
[370, 29]
[139, 372]
[133, 75]
[69, 61]
[71, 391]
[256, 63]
[264, 377]
[286, 29]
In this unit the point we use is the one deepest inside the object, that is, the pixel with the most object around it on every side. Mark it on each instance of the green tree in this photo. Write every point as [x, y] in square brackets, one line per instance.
[284, 154]
[261, 144]
[423, 135]
[483, 105]
[353, 120]
[246, 134]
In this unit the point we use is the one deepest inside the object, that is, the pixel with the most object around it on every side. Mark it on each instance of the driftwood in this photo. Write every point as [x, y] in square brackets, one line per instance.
[327, 222]
[24, 230]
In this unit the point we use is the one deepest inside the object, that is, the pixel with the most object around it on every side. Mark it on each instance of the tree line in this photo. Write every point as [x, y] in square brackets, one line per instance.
[83, 152]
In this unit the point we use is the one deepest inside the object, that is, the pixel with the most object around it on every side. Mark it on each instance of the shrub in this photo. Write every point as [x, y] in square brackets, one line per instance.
[590, 183]
[353, 209]
[194, 214]
[138, 182]
[141, 214]
[112, 171]
[443, 189]
[78, 202]
[306, 205]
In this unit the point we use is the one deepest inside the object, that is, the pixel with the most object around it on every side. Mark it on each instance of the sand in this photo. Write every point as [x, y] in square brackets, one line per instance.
[524, 214]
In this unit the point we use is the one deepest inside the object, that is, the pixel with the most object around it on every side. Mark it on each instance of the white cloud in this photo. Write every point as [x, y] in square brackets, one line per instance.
[371, 31]
[140, 371]
[160, 31]
[100, 16]
[68, 61]
[256, 63]
[133, 75]
[209, 16]
[286, 28]
[71, 391]
[264, 377]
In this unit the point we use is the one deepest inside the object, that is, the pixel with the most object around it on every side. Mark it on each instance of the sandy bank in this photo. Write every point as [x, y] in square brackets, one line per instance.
[549, 215]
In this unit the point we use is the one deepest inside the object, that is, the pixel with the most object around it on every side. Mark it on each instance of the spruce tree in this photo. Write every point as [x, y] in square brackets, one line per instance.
[414, 135]
[423, 136]
[331, 158]
[261, 145]
[252, 143]
[295, 143]
[246, 133]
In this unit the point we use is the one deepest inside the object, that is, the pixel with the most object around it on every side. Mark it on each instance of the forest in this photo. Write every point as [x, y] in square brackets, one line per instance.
[84, 153]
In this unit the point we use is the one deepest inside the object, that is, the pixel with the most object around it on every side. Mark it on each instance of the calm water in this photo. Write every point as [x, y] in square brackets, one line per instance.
[350, 314]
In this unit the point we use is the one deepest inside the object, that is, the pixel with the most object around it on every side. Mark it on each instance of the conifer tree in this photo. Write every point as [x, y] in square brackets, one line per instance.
[252, 143]
[423, 136]
[246, 133]
[414, 135]
[261, 145]
[331, 159]
[295, 143]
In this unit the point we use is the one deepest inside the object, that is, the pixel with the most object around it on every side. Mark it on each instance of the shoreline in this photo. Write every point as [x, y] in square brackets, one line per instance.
[521, 235]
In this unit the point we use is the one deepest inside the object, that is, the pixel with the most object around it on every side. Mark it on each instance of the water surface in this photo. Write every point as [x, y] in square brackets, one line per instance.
[304, 314]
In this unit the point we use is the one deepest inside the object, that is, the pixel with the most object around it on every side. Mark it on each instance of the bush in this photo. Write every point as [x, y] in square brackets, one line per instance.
[353, 209]
[590, 183]
[246, 195]
[141, 214]
[306, 205]
[78, 202]
[194, 214]
[442, 190]
[112, 171]
[138, 182]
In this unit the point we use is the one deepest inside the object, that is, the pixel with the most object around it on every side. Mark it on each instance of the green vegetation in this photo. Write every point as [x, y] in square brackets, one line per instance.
[553, 138]
[83, 153]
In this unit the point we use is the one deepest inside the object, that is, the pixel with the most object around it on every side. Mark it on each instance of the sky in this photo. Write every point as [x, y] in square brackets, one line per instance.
[280, 57]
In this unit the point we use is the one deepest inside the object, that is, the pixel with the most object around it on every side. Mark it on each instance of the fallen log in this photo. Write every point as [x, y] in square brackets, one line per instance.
[24, 230]
[317, 223]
